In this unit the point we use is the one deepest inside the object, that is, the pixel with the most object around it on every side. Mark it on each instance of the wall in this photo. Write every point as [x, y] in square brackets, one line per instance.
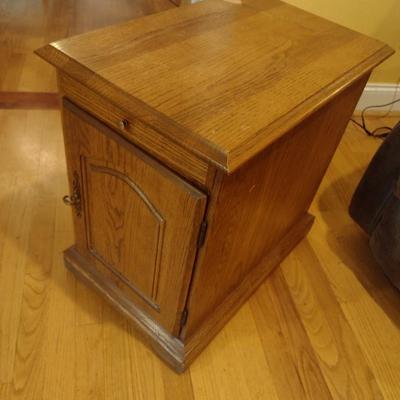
[377, 18]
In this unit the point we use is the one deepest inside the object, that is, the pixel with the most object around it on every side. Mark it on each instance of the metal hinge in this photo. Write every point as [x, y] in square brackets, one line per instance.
[202, 234]
[184, 317]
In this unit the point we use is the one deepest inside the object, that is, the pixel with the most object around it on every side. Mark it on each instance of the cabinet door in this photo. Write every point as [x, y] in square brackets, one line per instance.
[138, 222]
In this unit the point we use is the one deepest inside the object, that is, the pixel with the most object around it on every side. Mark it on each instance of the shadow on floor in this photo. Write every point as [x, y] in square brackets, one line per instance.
[350, 243]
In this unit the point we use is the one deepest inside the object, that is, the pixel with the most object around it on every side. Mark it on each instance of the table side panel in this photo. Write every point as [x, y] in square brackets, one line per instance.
[257, 205]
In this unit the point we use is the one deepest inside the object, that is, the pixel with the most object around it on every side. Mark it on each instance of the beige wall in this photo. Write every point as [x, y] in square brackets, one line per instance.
[377, 18]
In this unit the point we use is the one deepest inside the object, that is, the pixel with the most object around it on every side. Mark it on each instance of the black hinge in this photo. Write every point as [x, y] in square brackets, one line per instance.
[184, 317]
[202, 234]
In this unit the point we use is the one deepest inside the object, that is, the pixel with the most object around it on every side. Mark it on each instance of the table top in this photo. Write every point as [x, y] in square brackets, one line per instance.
[224, 80]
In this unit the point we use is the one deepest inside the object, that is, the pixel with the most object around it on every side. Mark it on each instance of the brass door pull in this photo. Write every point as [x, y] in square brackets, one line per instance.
[70, 200]
[74, 200]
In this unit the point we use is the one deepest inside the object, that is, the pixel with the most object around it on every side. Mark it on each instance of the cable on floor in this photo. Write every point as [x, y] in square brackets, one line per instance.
[374, 133]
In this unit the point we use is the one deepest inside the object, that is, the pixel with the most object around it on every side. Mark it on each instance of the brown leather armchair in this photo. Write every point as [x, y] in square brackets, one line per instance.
[375, 205]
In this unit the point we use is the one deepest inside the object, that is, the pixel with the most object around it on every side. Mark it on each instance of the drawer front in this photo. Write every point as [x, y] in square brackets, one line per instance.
[170, 153]
[137, 222]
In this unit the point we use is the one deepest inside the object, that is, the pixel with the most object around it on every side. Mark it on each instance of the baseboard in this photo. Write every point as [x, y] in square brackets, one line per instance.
[379, 93]
[29, 100]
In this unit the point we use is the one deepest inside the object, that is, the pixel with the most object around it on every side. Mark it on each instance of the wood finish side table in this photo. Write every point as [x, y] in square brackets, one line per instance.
[196, 139]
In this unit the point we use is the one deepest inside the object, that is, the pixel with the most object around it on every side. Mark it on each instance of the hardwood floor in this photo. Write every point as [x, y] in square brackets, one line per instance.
[27, 25]
[324, 326]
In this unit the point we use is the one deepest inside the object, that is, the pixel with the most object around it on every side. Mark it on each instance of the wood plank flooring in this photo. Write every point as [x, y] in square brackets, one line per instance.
[26, 25]
[325, 325]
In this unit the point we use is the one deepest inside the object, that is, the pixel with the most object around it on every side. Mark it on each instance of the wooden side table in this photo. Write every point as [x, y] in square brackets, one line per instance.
[195, 142]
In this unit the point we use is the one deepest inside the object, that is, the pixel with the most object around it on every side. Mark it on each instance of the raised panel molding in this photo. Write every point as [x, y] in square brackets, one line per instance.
[151, 298]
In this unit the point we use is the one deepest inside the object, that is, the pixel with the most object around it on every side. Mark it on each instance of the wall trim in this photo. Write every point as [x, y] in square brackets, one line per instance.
[29, 100]
[379, 93]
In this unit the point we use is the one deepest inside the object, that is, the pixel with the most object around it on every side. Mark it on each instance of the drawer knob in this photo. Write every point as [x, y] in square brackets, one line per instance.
[123, 123]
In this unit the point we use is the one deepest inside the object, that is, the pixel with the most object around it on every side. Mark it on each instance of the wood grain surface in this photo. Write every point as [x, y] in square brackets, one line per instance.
[210, 75]
[285, 343]
[26, 25]
[134, 212]
[255, 207]
[29, 100]
[324, 326]
[172, 154]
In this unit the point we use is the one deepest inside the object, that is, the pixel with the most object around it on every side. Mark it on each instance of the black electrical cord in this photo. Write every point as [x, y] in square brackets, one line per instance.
[374, 133]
